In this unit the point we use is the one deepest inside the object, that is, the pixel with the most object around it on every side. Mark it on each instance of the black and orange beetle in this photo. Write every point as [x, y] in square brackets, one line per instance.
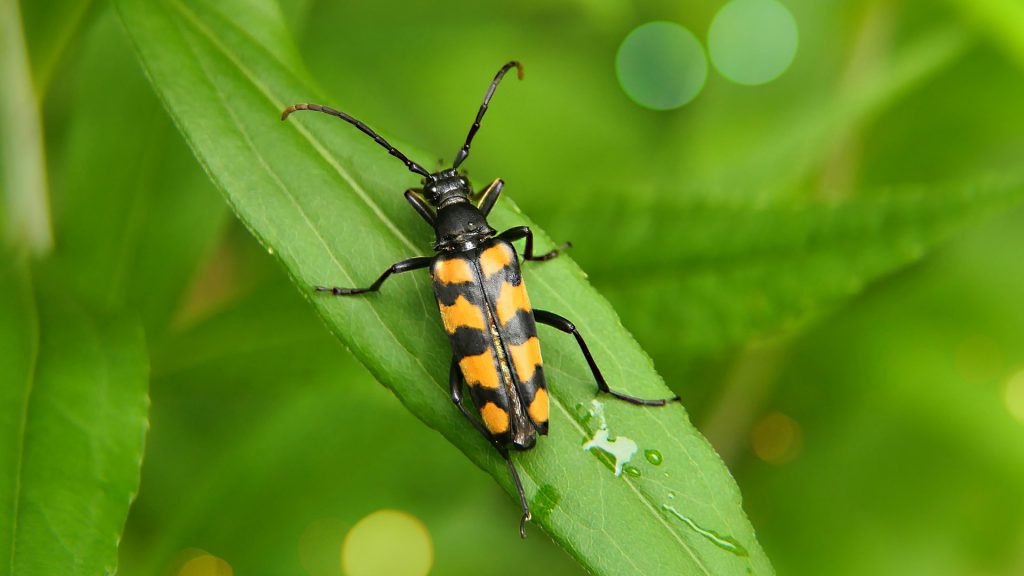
[483, 301]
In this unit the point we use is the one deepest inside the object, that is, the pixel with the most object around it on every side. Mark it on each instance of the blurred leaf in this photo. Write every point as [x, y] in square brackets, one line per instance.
[26, 208]
[72, 427]
[49, 28]
[327, 200]
[135, 213]
[738, 272]
[903, 399]
[1002, 19]
[772, 155]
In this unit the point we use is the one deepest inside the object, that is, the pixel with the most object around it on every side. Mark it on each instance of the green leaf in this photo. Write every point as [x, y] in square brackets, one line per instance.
[130, 234]
[738, 272]
[328, 202]
[71, 429]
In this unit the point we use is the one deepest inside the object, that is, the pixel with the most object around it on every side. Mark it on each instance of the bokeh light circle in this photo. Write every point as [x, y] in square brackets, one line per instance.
[752, 41]
[777, 438]
[387, 543]
[205, 564]
[1015, 396]
[661, 65]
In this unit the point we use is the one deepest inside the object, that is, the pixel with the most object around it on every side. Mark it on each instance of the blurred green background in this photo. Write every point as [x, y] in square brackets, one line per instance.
[843, 329]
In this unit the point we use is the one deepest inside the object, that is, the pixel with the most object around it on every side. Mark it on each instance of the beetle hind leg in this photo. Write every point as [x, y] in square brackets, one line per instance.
[556, 321]
[455, 384]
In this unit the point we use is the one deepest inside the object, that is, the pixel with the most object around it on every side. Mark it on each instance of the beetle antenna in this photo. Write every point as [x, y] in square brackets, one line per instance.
[464, 152]
[412, 166]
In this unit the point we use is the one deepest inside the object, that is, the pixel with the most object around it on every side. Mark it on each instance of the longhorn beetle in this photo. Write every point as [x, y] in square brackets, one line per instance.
[483, 302]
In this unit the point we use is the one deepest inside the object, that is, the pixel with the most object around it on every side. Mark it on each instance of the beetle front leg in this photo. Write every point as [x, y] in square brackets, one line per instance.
[520, 232]
[556, 321]
[455, 384]
[414, 196]
[396, 268]
[489, 196]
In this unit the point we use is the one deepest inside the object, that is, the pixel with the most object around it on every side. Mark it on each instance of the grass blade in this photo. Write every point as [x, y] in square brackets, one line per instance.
[71, 430]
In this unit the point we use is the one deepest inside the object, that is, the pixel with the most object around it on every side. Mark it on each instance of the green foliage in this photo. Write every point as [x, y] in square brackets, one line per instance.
[792, 252]
[751, 271]
[72, 430]
[134, 213]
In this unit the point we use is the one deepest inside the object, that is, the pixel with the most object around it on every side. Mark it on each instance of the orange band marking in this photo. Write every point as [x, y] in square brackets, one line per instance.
[494, 418]
[539, 407]
[526, 358]
[453, 271]
[461, 313]
[511, 299]
[480, 370]
[495, 259]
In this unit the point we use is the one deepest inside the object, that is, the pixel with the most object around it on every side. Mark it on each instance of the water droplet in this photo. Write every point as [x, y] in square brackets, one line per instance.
[671, 495]
[270, 250]
[632, 471]
[620, 448]
[654, 457]
[597, 411]
[727, 543]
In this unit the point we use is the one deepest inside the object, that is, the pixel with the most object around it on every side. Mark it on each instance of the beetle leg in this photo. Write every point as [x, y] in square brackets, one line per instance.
[556, 321]
[455, 384]
[519, 232]
[396, 268]
[489, 196]
[415, 197]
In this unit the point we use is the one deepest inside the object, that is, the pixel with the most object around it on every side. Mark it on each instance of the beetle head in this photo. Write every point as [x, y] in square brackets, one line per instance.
[446, 187]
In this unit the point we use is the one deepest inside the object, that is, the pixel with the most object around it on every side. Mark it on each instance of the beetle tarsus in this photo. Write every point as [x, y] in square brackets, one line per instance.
[522, 524]
[336, 291]
[552, 254]
[641, 401]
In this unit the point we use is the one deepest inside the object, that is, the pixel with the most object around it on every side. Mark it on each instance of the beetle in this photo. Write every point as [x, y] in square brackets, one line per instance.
[483, 302]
